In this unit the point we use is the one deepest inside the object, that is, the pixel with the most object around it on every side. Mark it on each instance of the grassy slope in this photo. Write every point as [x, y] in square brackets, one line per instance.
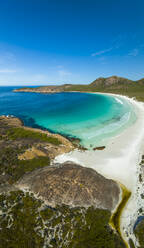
[21, 133]
[22, 216]
[131, 90]
[11, 168]
[14, 141]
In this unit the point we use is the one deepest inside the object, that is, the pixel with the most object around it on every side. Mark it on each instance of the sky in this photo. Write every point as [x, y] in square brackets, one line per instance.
[44, 42]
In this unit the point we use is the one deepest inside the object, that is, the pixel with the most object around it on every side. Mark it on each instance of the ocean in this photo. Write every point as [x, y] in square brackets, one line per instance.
[92, 118]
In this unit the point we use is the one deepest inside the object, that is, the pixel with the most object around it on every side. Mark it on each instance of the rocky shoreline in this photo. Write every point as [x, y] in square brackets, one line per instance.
[44, 89]
[72, 171]
[29, 173]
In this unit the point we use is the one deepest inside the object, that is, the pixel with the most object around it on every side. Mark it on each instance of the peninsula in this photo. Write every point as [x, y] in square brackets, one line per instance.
[113, 84]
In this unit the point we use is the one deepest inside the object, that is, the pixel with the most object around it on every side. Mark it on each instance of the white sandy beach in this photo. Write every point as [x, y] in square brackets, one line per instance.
[119, 161]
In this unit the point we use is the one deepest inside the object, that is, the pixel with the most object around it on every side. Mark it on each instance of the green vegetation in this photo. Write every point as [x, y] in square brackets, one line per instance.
[24, 166]
[14, 141]
[14, 168]
[25, 222]
[115, 218]
[131, 243]
[96, 233]
[142, 160]
[132, 89]
[47, 213]
[139, 232]
[20, 223]
[21, 133]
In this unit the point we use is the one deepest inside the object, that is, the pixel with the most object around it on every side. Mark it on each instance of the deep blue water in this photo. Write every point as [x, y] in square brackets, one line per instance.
[91, 117]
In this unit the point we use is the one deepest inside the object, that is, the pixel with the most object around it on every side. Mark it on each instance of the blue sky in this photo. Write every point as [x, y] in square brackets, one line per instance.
[70, 41]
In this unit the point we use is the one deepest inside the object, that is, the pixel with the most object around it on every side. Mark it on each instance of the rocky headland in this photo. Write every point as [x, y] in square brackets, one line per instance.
[113, 84]
[44, 89]
[67, 183]
[56, 205]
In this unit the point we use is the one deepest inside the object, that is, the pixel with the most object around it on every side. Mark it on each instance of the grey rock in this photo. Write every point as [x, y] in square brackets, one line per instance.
[73, 185]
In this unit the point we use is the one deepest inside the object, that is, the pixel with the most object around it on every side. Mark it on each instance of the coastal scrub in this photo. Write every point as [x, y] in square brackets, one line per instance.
[21, 133]
[27, 222]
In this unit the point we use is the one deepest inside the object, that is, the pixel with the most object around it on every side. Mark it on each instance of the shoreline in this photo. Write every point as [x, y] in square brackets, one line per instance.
[116, 214]
[119, 161]
[126, 149]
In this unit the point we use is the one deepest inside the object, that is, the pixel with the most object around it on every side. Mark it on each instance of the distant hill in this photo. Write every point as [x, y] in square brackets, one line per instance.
[113, 84]
[141, 81]
[110, 81]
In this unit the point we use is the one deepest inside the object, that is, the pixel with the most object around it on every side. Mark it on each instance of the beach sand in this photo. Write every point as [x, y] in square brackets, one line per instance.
[119, 161]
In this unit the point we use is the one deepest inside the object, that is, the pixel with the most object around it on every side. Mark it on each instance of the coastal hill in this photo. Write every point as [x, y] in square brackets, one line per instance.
[113, 84]
[43, 204]
[114, 80]
[24, 150]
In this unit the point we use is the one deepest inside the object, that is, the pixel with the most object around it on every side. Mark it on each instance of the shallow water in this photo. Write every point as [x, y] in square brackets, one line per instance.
[93, 118]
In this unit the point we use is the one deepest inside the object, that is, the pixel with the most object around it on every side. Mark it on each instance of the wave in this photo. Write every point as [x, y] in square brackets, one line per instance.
[110, 128]
[118, 100]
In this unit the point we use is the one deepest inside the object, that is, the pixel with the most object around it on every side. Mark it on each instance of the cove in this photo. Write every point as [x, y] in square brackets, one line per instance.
[93, 118]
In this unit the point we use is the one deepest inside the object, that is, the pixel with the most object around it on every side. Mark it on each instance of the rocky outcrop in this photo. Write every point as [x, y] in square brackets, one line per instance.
[44, 89]
[99, 148]
[73, 185]
[10, 121]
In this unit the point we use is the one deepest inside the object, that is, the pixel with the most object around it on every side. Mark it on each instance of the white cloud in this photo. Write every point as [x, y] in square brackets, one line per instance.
[64, 73]
[64, 76]
[134, 52]
[60, 66]
[7, 58]
[102, 52]
[7, 71]
[38, 78]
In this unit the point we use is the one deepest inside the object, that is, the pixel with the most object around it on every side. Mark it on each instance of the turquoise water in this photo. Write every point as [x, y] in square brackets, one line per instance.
[93, 118]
